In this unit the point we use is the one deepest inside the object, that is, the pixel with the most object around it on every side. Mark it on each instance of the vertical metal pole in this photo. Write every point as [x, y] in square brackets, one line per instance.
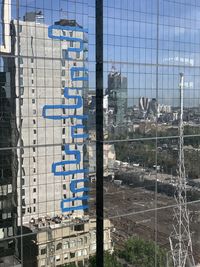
[181, 174]
[99, 132]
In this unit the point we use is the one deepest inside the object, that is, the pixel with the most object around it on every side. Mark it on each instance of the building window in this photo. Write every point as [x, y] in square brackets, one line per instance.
[63, 73]
[59, 246]
[34, 190]
[20, 81]
[63, 83]
[33, 91]
[78, 54]
[21, 71]
[57, 258]
[32, 60]
[43, 251]
[66, 245]
[21, 90]
[34, 200]
[79, 253]
[32, 70]
[72, 255]
[29, 209]
[66, 256]
[71, 44]
[63, 62]
[63, 55]
[33, 101]
[79, 227]
[34, 131]
[80, 242]
[23, 202]
[34, 209]
[20, 60]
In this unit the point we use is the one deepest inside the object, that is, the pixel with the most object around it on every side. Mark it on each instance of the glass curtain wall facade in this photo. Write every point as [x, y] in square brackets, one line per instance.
[151, 66]
[96, 120]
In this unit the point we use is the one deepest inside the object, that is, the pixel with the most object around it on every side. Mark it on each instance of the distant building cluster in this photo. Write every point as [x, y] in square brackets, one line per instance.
[115, 102]
[150, 108]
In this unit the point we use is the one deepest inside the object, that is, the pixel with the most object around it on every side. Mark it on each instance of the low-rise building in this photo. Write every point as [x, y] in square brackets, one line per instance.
[61, 241]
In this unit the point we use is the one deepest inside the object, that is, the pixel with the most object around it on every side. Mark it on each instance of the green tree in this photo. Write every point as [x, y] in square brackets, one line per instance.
[72, 264]
[143, 253]
[110, 260]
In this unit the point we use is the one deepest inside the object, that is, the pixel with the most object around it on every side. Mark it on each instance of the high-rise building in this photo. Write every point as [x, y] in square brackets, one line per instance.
[43, 84]
[8, 165]
[43, 105]
[117, 96]
[9, 138]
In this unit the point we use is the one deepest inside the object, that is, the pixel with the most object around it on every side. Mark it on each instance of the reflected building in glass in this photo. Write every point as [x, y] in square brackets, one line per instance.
[44, 83]
[42, 76]
[115, 101]
[151, 43]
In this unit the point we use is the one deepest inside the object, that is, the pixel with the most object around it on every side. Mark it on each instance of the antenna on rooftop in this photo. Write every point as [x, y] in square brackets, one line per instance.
[180, 238]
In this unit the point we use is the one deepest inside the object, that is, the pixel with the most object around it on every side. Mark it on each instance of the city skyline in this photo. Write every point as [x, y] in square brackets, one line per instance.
[178, 46]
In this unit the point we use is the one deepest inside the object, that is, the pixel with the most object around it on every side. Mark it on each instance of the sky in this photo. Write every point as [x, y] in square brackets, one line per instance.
[130, 42]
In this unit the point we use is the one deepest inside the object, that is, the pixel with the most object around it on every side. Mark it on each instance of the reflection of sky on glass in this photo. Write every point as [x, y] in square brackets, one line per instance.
[130, 42]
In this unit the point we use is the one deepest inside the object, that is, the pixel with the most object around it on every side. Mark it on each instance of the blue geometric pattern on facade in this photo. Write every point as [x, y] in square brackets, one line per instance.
[73, 70]
[75, 135]
[62, 107]
[73, 186]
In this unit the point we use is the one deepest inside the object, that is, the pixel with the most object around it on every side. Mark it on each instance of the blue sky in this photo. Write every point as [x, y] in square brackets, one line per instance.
[130, 42]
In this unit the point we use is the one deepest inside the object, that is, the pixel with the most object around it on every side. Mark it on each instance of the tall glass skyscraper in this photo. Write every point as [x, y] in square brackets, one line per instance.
[55, 181]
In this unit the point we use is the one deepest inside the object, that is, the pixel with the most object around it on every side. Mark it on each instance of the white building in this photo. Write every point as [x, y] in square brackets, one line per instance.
[73, 243]
[42, 74]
